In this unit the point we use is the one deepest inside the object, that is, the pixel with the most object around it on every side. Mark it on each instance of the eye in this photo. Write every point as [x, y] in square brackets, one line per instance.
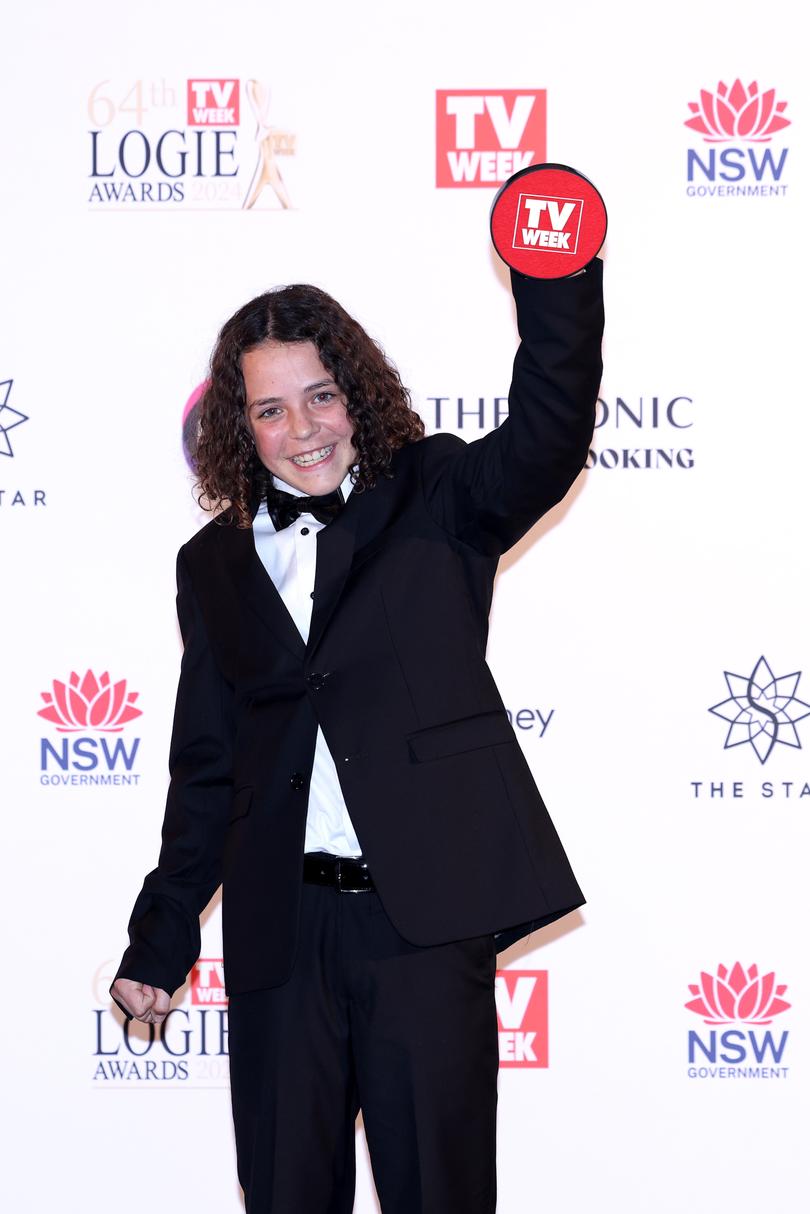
[271, 411]
[324, 398]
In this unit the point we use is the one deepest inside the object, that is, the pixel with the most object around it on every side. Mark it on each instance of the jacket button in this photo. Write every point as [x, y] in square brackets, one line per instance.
[297, 781]
[316, 680]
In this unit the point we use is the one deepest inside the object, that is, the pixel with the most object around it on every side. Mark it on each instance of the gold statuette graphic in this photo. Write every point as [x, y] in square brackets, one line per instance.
[272, 143]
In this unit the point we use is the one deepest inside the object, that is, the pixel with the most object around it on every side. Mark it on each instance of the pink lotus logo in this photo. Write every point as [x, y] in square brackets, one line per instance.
[737, 113]
[89, 703]
[737, 996]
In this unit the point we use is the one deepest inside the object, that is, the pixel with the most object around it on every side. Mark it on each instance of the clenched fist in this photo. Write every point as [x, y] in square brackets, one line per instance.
[147, 1003]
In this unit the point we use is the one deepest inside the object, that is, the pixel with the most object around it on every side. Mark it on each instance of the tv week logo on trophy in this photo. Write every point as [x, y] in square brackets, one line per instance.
[521, 1001]
[88, 712]
[748, 1001]
[744, 118]
[543, 222]
[483, 136]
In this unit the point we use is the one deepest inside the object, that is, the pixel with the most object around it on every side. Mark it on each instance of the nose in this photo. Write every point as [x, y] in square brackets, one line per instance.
[302, 424]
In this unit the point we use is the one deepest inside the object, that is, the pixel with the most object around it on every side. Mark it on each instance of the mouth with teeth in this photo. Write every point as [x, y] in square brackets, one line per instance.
[308, 458]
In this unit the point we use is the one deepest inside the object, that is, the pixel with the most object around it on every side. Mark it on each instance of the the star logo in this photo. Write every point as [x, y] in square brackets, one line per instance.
[762, 709]
[9, 418]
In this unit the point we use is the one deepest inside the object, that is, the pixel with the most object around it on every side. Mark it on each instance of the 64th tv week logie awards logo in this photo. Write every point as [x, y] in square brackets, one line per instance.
[189, 1049]
[737, 158]
[90, 714]
[198, 143]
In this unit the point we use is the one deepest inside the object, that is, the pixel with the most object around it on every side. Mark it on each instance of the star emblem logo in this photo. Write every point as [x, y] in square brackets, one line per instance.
[762, 710]
[9, 418]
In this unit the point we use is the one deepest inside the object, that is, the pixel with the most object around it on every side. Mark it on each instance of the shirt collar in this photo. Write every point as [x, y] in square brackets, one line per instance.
[345, 487]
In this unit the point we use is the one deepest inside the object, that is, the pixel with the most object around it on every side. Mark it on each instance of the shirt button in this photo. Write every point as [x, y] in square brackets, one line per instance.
[305, 530]
[312, 594]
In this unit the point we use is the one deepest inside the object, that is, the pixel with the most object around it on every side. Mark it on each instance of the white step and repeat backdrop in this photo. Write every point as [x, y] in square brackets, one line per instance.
[161, 164]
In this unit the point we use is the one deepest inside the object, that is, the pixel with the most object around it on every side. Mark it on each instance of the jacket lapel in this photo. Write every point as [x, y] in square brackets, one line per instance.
[336, 544]
[256, 589]
[336, 547]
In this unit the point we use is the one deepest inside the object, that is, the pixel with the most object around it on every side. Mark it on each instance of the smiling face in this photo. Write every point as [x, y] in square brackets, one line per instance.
[297, 416]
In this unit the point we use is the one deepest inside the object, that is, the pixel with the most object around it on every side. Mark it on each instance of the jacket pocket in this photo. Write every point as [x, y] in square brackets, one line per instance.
[454, 737]
[240, 804]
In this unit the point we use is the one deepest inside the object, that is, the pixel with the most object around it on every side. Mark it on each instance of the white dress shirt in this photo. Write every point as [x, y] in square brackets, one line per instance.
[289, 557]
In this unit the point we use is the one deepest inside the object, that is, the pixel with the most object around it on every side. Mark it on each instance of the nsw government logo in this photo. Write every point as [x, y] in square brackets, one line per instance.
[483, 136]
[89, 714]
[189, 1049]
[201, 143]
[521, 1001]
[748, 1001]
[736, 123]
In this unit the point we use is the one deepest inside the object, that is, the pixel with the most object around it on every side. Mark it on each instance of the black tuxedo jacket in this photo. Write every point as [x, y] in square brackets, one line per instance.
[443, 802]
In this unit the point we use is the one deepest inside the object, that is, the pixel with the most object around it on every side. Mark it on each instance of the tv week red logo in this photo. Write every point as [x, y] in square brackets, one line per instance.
[213, 102]
[484, 136]
[208, 982]
[542, 222]
[521, 1001]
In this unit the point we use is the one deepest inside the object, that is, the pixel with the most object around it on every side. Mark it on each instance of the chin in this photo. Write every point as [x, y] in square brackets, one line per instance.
[313, 483]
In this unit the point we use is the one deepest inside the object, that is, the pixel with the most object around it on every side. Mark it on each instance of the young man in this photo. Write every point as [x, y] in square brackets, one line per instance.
[341, 759]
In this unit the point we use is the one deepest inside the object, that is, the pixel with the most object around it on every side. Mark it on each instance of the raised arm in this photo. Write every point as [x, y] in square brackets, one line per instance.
[164, 929]
[490, 492]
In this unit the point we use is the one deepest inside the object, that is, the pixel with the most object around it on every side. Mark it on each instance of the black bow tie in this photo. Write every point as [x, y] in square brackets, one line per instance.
[285, 508]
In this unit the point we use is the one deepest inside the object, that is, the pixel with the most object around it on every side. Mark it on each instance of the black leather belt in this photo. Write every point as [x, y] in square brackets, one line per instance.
[346, 875]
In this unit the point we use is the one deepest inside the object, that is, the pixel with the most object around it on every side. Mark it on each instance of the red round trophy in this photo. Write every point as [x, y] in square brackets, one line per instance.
[548, 221]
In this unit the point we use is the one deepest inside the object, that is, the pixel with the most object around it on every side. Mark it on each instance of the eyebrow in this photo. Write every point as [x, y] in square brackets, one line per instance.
[278, 400]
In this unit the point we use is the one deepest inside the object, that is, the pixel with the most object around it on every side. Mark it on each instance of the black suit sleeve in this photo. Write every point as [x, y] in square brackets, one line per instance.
[164, 929]
[490, 492]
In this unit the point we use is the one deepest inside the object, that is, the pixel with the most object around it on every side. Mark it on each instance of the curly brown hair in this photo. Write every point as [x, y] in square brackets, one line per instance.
[229, 471]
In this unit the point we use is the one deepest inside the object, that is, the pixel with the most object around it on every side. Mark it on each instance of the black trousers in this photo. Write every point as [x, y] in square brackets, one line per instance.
[367, 1021]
